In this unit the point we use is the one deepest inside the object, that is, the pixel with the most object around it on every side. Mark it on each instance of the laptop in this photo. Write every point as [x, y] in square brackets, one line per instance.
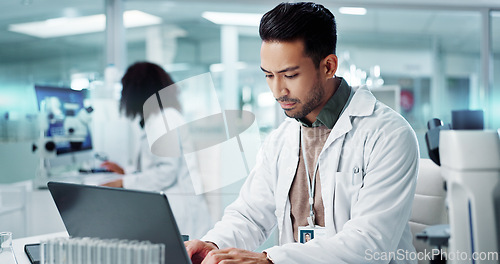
[103, 212]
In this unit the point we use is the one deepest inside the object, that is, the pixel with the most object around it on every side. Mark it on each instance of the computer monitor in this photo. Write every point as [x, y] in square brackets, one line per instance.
[65, 121]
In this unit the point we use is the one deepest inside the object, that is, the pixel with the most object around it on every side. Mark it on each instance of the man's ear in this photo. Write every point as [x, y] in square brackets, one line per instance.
[330, 64]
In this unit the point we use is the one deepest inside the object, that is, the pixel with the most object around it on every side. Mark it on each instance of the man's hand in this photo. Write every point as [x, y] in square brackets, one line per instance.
[235, 256]
[111, 166]
[197, 250]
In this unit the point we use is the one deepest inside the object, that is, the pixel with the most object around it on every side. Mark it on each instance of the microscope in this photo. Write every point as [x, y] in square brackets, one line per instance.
[73, 131]
[470, 165]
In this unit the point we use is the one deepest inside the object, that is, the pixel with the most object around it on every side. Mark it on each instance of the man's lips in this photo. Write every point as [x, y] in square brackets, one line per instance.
[287, 105]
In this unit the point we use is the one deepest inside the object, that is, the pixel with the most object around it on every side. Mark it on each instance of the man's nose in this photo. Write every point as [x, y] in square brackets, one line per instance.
[278, 87]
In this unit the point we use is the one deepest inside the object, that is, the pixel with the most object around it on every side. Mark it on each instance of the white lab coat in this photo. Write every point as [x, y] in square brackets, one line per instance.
[171, 176]
[366, 213]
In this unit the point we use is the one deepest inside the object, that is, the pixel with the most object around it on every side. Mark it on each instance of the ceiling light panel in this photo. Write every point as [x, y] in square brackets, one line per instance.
[360, 11]
[67, 26]
[234, 19]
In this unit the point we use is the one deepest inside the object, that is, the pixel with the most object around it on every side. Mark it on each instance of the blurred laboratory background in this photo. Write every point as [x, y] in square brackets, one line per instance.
[423, 58]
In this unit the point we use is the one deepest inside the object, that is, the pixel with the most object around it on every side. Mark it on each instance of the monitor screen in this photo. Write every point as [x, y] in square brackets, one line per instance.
[66, 118]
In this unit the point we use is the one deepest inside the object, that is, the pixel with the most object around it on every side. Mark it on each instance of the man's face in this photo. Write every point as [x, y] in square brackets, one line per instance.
[293, 78]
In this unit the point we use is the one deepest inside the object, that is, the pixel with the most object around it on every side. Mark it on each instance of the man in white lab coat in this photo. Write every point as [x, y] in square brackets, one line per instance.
[153, 173]
[342, 169]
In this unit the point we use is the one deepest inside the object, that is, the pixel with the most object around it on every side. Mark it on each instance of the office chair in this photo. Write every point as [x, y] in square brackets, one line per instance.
[429, 204]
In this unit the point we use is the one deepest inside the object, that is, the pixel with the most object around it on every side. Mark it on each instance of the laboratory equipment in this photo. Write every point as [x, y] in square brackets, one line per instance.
[65, 118]
[6, 253]
[470, 165]
[65, 139]
[432, 138]
[103, 251]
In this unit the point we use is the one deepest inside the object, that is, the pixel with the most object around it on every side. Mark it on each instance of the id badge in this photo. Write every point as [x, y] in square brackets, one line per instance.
[307, 233]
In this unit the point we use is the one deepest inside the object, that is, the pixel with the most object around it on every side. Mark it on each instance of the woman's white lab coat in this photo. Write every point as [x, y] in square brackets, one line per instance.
[172, 176]
[368, 170]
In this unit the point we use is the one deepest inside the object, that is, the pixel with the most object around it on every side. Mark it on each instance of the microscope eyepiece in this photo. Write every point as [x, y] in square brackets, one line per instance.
[433, 123]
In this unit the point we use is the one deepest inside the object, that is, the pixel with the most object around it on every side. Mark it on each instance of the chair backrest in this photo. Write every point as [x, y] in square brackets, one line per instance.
[429, 203]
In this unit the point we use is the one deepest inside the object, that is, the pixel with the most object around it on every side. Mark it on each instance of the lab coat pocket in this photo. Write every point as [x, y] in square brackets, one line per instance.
[347, 186]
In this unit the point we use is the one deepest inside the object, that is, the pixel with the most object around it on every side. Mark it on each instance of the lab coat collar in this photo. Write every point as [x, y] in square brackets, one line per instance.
[362, 103]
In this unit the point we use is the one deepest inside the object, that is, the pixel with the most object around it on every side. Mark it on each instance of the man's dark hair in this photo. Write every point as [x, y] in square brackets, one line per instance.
[142, 80]
[310, 22]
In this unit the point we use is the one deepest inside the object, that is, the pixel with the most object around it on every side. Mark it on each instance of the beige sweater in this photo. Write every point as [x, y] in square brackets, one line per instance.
[314, 138]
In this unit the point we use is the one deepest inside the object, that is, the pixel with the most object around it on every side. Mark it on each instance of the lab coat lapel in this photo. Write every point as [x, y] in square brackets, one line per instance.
[287, 166]
[327, 168]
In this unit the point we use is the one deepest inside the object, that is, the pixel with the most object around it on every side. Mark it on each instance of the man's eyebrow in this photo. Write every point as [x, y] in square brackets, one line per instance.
[282, 71]
[289, 69]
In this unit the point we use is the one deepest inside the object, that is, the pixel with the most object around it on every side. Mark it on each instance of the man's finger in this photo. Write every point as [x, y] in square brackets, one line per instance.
[216, 256]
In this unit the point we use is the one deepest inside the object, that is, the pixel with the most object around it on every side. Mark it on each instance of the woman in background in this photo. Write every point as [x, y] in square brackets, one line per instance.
[153, 173]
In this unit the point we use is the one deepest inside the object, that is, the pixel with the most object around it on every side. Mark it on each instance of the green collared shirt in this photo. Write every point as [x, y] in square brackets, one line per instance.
[333, 108]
